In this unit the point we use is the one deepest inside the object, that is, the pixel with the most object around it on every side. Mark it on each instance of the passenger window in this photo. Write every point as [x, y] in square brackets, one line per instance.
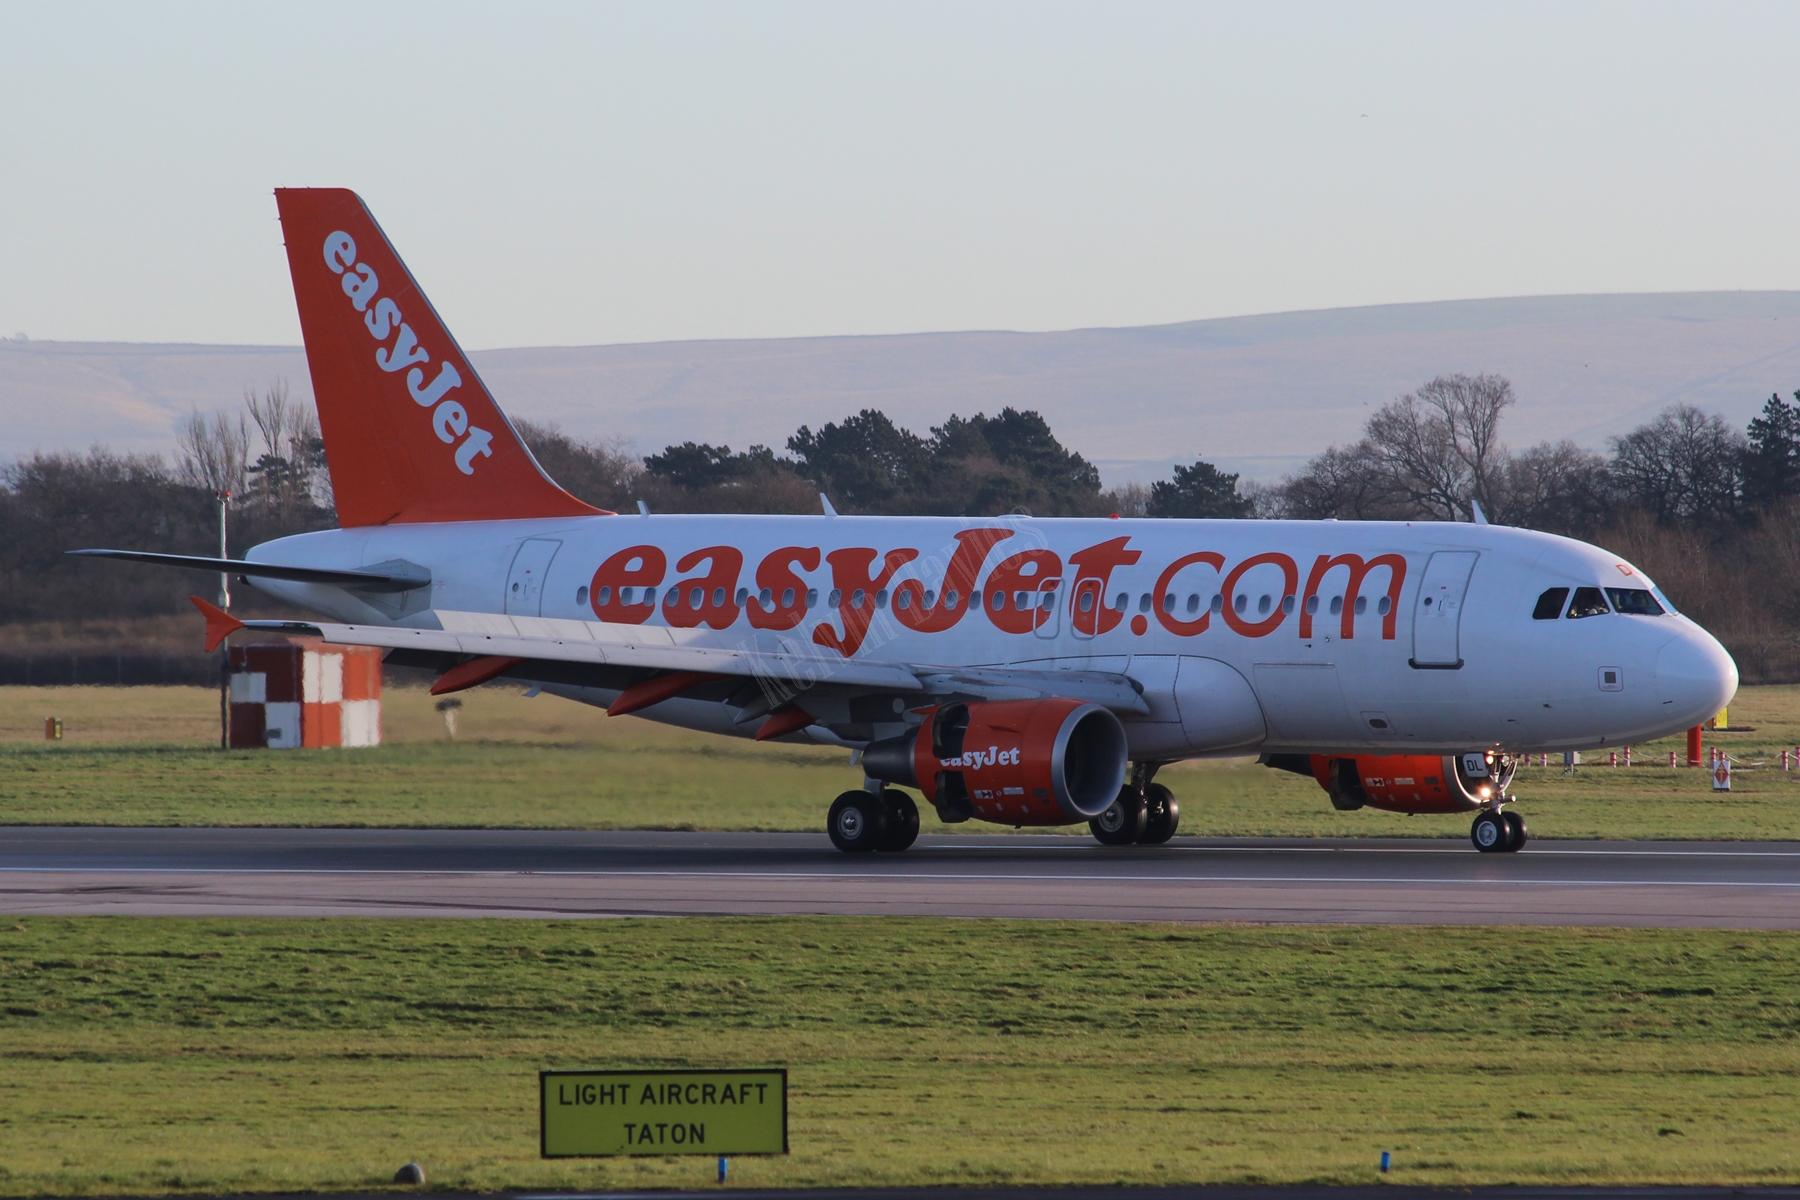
[1550, 604]
[581, 595]
[1635, 601]
[1087, 601]
[1588, 602]
[1193, 604]
[1123, 602]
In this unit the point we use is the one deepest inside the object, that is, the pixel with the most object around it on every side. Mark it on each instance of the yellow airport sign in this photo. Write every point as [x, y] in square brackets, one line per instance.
[595, 1113]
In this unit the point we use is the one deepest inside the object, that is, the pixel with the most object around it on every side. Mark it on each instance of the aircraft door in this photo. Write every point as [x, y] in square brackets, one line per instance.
[1084, 606]
[525, 582]
[1437, 610]
[1047, 621]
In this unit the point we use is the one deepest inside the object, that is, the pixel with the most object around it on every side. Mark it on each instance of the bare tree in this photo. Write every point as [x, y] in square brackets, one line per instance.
[1557, 487]
[1344, 482]
[290, 473]
[605, 474]
[1438, 447]
[1683, 467]
[1128, 500]
[214, 452]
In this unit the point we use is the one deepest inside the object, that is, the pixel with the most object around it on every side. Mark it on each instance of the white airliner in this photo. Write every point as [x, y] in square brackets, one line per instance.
[1015, 670]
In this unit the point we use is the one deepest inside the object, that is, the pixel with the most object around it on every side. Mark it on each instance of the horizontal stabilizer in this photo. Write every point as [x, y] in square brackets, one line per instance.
[219, 623]
[362, 581]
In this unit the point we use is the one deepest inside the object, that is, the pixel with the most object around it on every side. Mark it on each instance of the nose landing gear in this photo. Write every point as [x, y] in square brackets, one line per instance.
[1498, 832]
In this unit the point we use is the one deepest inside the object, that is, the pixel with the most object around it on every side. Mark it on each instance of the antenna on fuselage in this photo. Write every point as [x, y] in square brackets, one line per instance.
[643, 509]
[825, 503]
[1480, 517]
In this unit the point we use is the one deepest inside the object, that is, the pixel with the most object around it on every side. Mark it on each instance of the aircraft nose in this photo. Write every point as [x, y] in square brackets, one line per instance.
[1695, 676]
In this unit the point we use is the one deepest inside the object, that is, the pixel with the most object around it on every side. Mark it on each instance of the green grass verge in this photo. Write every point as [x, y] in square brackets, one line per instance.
[141, 756]
[674, 781]
[154, 1055]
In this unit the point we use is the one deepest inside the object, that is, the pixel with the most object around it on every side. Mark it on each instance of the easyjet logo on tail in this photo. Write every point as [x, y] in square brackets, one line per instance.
[449, 419]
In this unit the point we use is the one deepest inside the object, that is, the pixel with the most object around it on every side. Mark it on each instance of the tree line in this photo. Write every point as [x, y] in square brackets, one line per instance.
[1704, 507]
[978, 466]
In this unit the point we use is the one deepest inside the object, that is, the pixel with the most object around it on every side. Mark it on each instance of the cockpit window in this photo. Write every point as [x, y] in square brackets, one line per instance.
[1636, 601]
[1588, 602]
[1550, 605]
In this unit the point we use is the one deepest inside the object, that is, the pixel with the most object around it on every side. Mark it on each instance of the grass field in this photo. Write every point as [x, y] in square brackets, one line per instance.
[151, 1055]
[149, 756]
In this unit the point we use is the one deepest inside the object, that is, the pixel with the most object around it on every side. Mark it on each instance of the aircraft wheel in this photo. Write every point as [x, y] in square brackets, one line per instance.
[1123, 821]
[1516, 833]
[1162, 813]
[1489, 833]
[856, 822]
[901, 818]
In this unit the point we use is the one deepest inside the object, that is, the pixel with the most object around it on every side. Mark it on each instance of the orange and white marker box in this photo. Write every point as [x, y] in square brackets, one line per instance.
[285, 696]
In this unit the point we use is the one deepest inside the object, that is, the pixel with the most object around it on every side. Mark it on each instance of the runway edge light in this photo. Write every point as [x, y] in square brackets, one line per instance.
[594, 1114]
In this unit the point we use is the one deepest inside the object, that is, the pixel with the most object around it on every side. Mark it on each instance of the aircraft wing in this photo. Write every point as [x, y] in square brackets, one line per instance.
[512, 643]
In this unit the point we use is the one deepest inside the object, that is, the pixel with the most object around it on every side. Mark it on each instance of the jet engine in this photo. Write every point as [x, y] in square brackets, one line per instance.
[1413, 783]
[1016, 762]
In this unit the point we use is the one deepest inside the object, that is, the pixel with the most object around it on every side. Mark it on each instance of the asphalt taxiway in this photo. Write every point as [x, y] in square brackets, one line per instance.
[564, 873]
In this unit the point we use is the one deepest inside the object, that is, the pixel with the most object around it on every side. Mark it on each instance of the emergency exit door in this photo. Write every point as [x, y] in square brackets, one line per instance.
[525, 582]
[1438, 608]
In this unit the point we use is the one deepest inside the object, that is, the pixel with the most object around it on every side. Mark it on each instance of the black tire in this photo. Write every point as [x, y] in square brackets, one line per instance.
[1516, 833]
[901, 817]
[1489, 833]
[1123, 821]
[856, 822]
[1162, 815]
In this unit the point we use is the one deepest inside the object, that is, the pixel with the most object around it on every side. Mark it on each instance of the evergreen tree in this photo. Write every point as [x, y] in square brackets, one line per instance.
[1772, 464]
[866, 464]
[1201, 490]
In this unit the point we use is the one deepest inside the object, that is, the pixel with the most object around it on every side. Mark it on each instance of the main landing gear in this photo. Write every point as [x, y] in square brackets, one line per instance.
[862, 821]
[1497, 831]
[1145, 814]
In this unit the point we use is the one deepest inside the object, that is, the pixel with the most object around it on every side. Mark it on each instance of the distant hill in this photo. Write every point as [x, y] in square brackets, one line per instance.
[1257, 394]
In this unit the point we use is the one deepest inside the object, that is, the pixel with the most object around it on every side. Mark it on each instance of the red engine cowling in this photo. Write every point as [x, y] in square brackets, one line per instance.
[1415, 783]
[1016, 762]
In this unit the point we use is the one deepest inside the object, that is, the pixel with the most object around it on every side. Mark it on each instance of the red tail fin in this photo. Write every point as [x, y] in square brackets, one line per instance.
[410, 432]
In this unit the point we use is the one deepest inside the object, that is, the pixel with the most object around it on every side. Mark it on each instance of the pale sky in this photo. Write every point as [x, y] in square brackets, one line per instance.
[575, 174]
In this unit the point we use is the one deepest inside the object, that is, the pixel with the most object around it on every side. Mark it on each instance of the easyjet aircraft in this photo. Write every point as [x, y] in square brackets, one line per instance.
[1013, 670]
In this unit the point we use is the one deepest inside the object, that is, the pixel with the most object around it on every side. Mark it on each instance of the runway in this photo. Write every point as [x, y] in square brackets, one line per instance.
[558, 873]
